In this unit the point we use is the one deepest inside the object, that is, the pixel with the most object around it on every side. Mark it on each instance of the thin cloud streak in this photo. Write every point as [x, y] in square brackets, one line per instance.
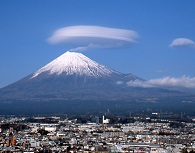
[166, 82]
[84, 37]
[182, 42]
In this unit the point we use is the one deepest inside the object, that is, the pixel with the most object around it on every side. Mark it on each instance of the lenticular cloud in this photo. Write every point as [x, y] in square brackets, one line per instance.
[93, 37]
[178, 42]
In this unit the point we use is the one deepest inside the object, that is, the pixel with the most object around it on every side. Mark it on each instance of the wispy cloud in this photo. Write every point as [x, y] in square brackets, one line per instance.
[180, 42]
[84, 37]
[119, 82]
[166, 82]
[140, 83]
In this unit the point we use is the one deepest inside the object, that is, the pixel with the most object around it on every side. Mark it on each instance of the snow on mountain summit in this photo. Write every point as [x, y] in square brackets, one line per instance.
[71, 63]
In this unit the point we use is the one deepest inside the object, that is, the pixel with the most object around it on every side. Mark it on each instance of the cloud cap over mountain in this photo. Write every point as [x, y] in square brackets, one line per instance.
[85, 37]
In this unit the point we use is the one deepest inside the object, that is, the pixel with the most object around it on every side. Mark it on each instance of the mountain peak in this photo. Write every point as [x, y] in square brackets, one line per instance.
[72, 63]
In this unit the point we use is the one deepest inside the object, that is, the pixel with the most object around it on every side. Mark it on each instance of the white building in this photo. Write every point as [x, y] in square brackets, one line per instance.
[105, 121]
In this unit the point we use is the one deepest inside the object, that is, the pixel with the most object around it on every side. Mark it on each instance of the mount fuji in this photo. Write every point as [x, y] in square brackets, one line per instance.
[73, 77]
[72, 63]
[70, 76]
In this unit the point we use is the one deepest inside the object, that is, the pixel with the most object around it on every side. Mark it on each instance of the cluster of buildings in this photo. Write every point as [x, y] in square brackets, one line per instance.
[54, 135]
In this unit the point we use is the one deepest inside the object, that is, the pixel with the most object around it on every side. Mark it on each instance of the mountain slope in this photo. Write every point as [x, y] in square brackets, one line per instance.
[70, 76]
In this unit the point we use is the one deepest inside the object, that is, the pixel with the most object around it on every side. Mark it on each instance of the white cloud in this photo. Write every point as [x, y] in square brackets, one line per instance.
[140, 83]
[85, 37]
[179, 42]
[166, 82]
[119, 82]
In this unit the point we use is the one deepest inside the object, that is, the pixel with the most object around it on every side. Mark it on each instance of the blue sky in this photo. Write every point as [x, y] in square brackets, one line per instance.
[25, 27]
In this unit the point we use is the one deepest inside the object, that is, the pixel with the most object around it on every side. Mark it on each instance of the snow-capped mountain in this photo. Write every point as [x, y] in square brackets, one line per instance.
[73, 80]
[73, 76]
[70, 76]
[72, 63]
